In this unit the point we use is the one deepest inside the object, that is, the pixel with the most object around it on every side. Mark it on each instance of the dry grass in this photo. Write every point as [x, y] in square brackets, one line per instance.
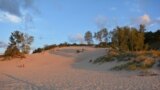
[139, 63]
[138, 60]
[113, 52]
[155, 53]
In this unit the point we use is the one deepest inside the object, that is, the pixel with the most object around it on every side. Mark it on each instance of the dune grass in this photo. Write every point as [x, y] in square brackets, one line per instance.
[138, 60]
[137, 64]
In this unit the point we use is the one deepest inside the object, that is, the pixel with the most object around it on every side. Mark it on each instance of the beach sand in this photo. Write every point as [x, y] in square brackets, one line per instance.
[65, 69]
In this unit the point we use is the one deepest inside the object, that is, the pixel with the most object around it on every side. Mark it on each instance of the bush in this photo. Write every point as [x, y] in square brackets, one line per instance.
[13, 52]
[103, 59]
[38, 50]
[78, 51]
[140, 63]
[113, 52]
[102, 45]
[48, 47]
[156, 53]
[19, 45]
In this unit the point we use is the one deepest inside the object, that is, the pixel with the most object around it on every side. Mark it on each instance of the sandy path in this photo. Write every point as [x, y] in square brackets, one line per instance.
[64, 69]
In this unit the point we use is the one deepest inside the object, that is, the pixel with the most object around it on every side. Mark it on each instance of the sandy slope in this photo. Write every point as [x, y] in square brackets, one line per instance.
[64, 69]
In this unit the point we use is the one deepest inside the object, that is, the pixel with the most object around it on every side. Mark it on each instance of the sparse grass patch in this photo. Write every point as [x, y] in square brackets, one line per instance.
[140, 63]
[122, 66]
[139, 60]
[156, 53]
[103, 59]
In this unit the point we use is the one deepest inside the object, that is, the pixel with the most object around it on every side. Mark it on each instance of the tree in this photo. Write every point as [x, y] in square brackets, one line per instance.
[141, 37]
[19, 44]
[26, 43]
[126, 38]
[88, 37]
[153, 39]
[101, 35]
[12, 51]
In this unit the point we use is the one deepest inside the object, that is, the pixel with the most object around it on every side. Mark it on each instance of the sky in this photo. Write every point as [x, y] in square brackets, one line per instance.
[58, 21]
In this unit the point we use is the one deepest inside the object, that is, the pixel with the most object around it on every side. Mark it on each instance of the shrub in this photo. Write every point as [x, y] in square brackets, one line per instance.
[156, 53]
[103, 59]
[38, 50]
[19, 45]
[102, 45]
[139, 63]
[13, 52]
[113, 52]
[78, 51]
[122, 66]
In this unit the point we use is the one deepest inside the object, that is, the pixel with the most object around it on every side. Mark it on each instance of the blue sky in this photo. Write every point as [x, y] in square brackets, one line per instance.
[57, 21]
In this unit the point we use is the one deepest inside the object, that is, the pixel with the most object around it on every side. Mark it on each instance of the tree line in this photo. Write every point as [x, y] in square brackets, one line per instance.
[125, 38]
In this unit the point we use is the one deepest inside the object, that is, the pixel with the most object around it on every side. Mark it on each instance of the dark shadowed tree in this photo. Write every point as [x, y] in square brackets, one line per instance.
[153, 39]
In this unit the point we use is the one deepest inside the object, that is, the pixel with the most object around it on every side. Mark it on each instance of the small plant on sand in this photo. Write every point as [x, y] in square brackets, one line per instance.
[13, 52]
[38, 50]
[103, 59]
[155, 53]
[78, 51]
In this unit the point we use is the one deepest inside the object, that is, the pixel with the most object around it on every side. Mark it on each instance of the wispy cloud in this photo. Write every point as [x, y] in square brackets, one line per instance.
[3, 44]
[101, 21]
[77, 38]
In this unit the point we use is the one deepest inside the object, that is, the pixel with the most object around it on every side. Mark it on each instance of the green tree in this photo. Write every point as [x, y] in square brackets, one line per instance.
[26, 43]
[88, 37]
[101, 35]
[19, 44]
[126, 38]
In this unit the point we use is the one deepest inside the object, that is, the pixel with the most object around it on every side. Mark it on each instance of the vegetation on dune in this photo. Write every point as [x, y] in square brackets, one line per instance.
[137, 63]
[130, 45]
[101, 35]
[19, 45]
[132, 60]
[153, 39]
[49, 47]
[88, 38]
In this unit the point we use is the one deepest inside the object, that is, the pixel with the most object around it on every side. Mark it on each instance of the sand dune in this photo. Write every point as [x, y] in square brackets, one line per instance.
[65, 69]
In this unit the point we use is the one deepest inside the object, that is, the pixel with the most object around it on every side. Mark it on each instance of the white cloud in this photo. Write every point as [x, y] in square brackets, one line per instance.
[7, 17]
[145, 19]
